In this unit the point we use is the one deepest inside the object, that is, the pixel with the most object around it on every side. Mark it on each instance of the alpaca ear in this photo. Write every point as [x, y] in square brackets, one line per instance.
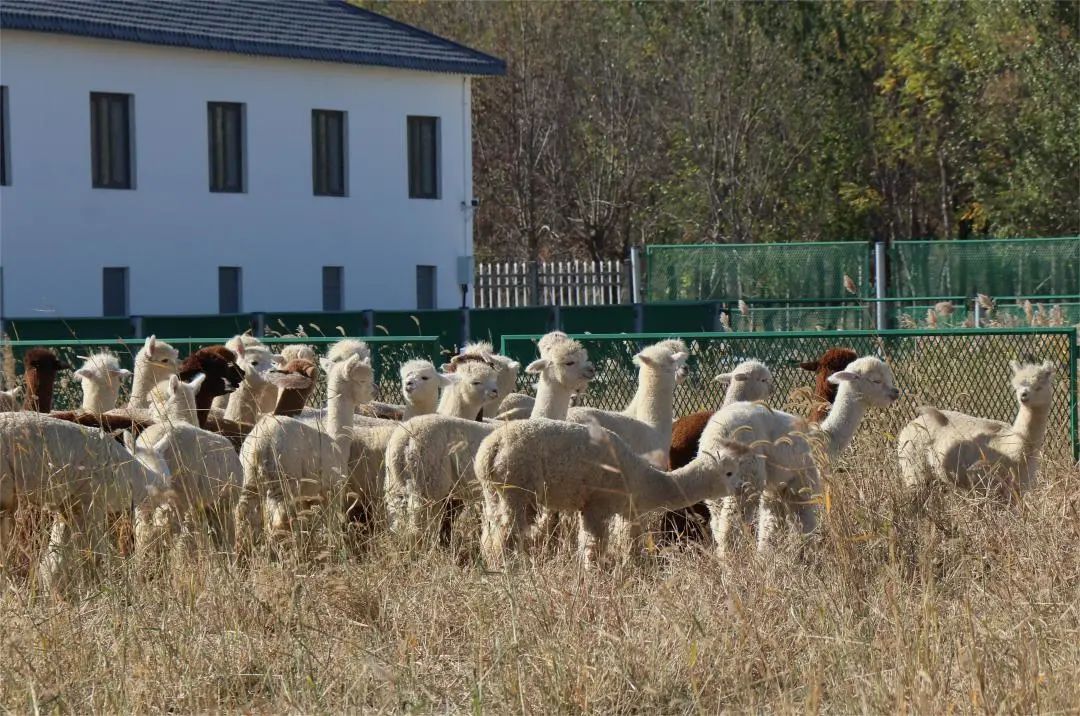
[86, 373]
[680, 357]
[1014, 366]
[129, 441]
[537, 366]
[735, 447]
[174, 383]
[160, 445]
[151, 343]
[121, 373]
[513, 365]
[196, 382]
[277, 360]
[843, 376]
[810, 365]
[326, 364]
[724, 378]
[1047, 367]
[443, 380]
[641, 359]
[240, 350]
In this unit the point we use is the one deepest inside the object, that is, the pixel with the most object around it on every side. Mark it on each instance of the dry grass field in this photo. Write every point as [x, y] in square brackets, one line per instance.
[933, 603]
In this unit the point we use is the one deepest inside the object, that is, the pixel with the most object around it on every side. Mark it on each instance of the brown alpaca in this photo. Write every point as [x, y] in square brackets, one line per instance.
[40, 366]
[831, 361]
[218, 364]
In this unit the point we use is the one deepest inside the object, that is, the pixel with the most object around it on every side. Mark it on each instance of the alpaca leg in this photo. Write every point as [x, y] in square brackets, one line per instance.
[592, 534]
[492, 536]
[247, 517]
[625, 537]
[770, 511]
[726, 519]
[807, 497]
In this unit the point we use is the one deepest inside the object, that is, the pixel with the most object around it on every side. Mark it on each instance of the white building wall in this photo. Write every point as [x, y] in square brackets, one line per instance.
[57, 232]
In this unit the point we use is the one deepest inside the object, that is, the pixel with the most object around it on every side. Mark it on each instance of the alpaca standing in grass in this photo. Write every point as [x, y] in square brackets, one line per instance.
[787, 473]
[532, 464]
[154, 363]
[292, 464]
[969, 451]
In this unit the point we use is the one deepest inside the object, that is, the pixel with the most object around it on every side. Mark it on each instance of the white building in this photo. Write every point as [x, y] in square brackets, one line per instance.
[204, 156]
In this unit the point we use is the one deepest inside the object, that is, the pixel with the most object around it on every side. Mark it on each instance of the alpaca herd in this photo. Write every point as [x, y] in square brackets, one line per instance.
[225, 442]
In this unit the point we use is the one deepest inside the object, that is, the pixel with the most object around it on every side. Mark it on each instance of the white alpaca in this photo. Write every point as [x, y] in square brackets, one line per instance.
[289, 461]
[204, 470]
[81, 475]
[670, 346]
[970, 451]
[255, 396]
[749, 381]
[296, 351]
[10, 402]
[528, 465]
[101, 377]
[787, 473]
[154, 363]
[506, 367]
[518, 406]
[420, 386]
[464, 395]
[649, 431]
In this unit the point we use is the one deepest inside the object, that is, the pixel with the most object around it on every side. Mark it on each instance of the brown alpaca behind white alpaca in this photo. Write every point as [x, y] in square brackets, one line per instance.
[968, 451]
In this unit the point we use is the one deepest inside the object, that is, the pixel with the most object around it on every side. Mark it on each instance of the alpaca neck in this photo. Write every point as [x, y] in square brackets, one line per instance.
[291, 401]
[453, 404]
[701, 479]
[420, 405]
[1030, 426]
[97, 398]
[654, 401]
[39, 391]
[204, 400]
[340, 407]
[843, 420]
[243, 404]
[147, 376]
[552, 400]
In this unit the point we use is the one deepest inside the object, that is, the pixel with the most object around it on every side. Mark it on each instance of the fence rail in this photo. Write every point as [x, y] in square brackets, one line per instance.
[964, 370]
[515, 284]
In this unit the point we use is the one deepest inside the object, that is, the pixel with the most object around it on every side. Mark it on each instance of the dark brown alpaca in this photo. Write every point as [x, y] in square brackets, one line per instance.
[831, 361]
[40, 366]
[218, 364]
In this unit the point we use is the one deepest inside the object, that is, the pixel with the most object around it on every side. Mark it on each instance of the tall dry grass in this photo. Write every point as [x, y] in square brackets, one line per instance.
[933, 603]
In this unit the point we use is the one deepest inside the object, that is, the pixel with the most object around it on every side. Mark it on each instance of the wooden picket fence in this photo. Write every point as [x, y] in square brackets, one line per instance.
[513, 284]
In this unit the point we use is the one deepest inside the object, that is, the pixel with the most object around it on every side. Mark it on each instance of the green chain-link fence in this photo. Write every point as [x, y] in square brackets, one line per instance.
[757, 271]
[388, 353]
[952, 369]
[996, 267]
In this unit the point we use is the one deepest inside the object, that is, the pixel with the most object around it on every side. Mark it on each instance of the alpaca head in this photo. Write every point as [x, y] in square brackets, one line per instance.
[352, 377]
[223, 375]
[750, 380]
[481, 351]
[1033, 383]
[297, 351]
[158, 355]
[420, 381]
[564, 363]
[255, 360]
[298, 374]
[548, 340]
[151, 457]
[476, 382]
[346, 348]
[664, 358]
[102, 371]
[733, 461]
[40, 366]
[870, 380]
[831, 361]
[9, 400]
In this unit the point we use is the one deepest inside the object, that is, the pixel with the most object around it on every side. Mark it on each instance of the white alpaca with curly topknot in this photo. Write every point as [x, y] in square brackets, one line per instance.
[970, 451]
[749, 381]
[787, 474]
[101, 377]
[533, 464]
[507, 371]
[154, 363]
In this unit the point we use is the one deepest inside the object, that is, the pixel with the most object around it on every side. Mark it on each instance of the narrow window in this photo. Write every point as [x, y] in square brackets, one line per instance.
[332, 288]
[423, 157]
[228, 289]
[5, 173]
[425, 287]
[328, 152]
[110, 140]
[114, 291]
[225, 121]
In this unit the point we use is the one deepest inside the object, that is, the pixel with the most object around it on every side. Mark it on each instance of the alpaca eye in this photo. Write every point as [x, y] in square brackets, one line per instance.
[570, 363]
[730, 474]
[423, 377]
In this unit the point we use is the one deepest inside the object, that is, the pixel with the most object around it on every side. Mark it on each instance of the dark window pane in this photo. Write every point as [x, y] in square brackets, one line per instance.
[425, 287]
[226, 127]
[328, 152]
[114, 291]
[332, 288]
[228, 289]
[110, 140]
[423, 150]
[3, 136]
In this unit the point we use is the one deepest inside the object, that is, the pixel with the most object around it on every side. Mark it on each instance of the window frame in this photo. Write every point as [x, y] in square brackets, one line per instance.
[322, 179]
[99, 177]
[219, 154]
[414, 127]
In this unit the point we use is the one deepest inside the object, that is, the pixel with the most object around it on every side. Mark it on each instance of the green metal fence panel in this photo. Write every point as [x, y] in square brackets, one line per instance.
[226, 324]
[328, 324]
[952, 369]
[797, 317]
[490, 324]
[388, 353]
[756, 271]
[444, 324]
[599, 319]
[40, 329]
[680, 317]
[995, 267]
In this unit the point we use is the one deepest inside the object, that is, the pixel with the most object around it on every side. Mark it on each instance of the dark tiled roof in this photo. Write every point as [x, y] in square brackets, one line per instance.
[326, 30]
